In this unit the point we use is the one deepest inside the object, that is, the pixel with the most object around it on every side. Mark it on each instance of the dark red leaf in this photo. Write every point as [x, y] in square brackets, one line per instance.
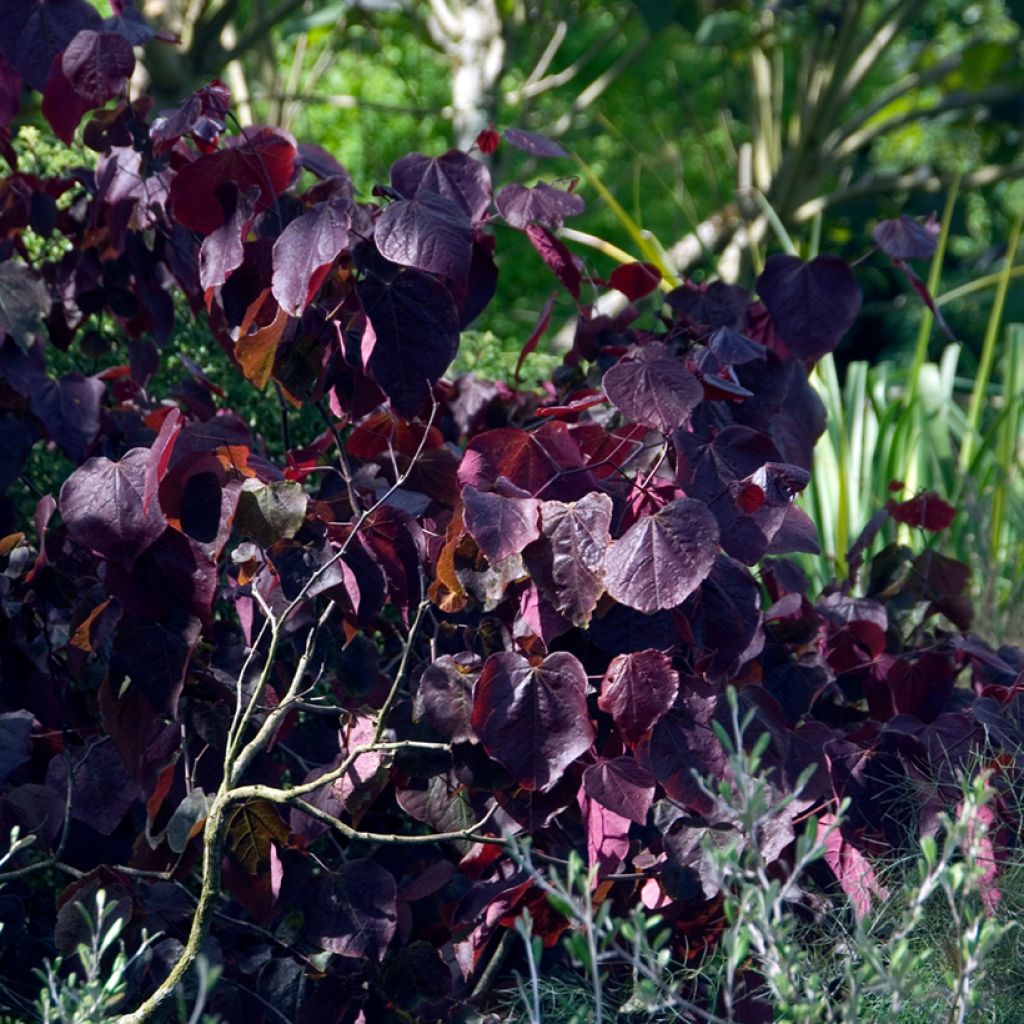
[102, 792]
[223, 251]
[812, 305]
[539, 328]
[10, 92]
[63, 107]
[635, 280]
[24, 302]
[637, 690]
[154, 656]
[926, 510]
[15, 741]
[546, 463]
[725, 618]
[654, 388]
[264, 158]
[444, 696]
[533, 718]
[852, 869]
[926, 297]
[70, 410]
[662, 558]
[568, 565]
[556, 255]
[682, 743]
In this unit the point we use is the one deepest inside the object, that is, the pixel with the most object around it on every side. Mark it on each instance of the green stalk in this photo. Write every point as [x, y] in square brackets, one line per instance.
[651, 252]
[934, 276]
[1008, 438]
[980, 284]
[988, 348]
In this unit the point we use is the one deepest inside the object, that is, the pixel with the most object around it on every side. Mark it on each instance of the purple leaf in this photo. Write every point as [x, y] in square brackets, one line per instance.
[102, 792]
[102, 505]
[305, 251]
[734, 348]
[445, 696]
[662, 559]
[33, 32]
[653, 388]
[70, 410]
[10, 92]
[223, 251]
[130, 23]
[429, 233]
[812, 305]
[154, 656]
[454, 176]
[533, 718]
[97, 64]
[682, 741]
[15, 741]
[568, 564]
[711, 306]
[24, 301]
[621, 785]
[906, 239]
[353, 912]
[501, 526]
[542, 204]
[637, 690]
[725, 617]
[202, 116]
[531, 142]
[412, 335]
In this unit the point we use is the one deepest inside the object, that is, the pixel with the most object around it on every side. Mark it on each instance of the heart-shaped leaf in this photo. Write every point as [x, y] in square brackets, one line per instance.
[353, 912]
[637, 690]
[662, 558]
[542, 204]
[533, 717]
[621, 785]
[102, 505]
[454, 175]
[97, 64]
[654, 388]
[812, 305]
[429, 233]
[305, 251]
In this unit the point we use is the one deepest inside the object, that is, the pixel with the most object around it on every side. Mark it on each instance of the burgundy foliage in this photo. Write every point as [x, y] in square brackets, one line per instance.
[559, 586]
